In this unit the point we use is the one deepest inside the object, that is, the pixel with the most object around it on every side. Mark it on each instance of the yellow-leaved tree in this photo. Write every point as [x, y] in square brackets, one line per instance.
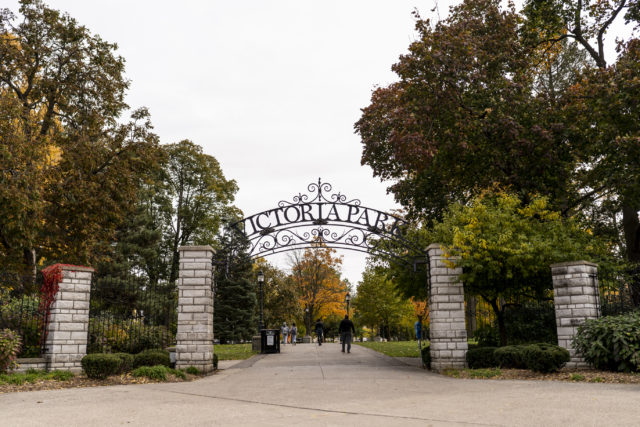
[316, 275]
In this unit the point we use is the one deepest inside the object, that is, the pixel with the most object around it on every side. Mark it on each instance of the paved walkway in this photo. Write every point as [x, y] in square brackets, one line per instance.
[307, 385]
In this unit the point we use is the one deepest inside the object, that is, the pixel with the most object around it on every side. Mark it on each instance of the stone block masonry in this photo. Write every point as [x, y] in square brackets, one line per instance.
[446, 313]
[576, 299]
[68, 328]
[194, 339]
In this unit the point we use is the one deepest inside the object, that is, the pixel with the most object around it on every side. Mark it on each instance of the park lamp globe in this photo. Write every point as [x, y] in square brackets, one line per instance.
[347, 297]
[260, 277]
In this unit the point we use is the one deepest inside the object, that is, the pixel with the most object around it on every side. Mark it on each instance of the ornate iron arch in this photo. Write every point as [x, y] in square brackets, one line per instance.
[330, 219]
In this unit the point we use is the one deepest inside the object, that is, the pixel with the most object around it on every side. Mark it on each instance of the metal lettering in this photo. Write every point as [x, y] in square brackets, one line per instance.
[306, 211]
[286, 214]
[262, 227]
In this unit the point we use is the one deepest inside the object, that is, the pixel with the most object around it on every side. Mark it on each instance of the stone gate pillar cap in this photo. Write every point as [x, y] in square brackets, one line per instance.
[69, 267]
[571, 263]
[196, 248]
[435, 246]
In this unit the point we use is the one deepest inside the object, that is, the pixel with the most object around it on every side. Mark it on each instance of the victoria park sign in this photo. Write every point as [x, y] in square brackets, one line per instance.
[323, 217]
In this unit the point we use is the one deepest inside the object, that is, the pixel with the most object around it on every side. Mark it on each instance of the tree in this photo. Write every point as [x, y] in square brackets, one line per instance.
[603, 110]
[235, 293]
[378, 302]
[506, 246]
[462, 116]
[63, 89]
[200, 199]
[316, 275]
[280, 294]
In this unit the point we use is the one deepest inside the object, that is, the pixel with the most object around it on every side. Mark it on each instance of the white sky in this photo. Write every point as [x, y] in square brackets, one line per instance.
[270, 88]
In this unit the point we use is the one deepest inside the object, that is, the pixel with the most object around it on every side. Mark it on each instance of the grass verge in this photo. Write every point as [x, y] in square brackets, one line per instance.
[33, 375]
[394, 348]
[233, 351]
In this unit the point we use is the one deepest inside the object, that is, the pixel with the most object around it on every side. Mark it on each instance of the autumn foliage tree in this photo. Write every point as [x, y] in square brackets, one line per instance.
[71, 166]
[316, 275]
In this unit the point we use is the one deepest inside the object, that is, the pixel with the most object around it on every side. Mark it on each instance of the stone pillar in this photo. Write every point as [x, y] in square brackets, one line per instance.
[68, 328]
[446, 313]
[194, 340]
[576, 299]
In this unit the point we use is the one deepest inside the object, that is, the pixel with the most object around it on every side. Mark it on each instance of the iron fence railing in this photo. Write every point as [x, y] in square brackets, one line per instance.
[21, 311]
[131, 314]
[617, 294]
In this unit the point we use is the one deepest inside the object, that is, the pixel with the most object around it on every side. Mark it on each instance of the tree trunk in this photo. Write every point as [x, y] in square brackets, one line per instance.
[631, 227]
[502, 330]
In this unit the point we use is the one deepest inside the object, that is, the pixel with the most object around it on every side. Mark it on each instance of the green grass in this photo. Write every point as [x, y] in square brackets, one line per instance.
[394, 348]
[33, 375]
[576, 377]
[233, 351]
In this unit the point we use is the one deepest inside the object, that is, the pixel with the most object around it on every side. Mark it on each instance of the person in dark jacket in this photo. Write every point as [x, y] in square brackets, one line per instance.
[319, 330]
[345, 329]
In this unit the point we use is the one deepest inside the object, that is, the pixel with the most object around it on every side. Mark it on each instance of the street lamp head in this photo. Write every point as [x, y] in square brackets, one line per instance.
[347, 297]
[260, 277]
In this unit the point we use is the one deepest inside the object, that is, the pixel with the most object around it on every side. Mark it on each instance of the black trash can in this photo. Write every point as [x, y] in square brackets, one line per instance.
[270, 341]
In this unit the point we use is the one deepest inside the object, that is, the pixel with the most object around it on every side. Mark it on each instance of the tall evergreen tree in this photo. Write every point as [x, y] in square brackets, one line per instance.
[235, 294]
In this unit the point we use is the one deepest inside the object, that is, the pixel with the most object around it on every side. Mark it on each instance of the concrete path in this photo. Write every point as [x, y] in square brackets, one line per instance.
[307, 385]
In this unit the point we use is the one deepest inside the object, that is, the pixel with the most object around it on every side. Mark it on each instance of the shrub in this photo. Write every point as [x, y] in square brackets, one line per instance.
[193, 370]
[152, 358]
[158, 372]
[510, 357]
[21, 313]
[426, 357]
[215, 362]
[544, 357]
[487, 336]
[126, 362]
[101, 365]
[481, 357]
[611, 343]
[10, 345]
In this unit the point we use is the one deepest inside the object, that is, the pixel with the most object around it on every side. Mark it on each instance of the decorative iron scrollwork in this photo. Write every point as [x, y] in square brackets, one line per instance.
[322, 218]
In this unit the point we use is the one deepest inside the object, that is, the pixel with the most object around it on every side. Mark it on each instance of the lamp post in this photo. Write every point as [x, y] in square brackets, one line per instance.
[347, 298]
[260, 285]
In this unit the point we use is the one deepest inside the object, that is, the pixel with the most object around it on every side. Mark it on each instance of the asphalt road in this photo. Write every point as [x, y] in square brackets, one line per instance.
[307, 385]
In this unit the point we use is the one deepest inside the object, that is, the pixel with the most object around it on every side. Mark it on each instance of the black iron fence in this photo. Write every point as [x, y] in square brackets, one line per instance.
[22, 312]
[619, 291]
[526, 320]
[131, 314]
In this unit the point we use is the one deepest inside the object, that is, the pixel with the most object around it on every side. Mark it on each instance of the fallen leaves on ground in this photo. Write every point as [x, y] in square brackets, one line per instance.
[83, 381]
[570, 375]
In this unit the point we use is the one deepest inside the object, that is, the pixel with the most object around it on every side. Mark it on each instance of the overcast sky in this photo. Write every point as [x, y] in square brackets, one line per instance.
[270, 88]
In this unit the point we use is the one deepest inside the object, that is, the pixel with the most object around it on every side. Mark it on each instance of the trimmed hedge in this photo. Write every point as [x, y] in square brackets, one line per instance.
[544, 357]
[126, 362]
[611, 342]
[152, 358]
[101, 365]
[481, 357]
[510, 357]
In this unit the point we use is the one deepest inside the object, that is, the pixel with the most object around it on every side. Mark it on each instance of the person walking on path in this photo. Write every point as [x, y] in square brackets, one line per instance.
[294, 332]
[345, 329]
[319, 330]
[285, 332]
